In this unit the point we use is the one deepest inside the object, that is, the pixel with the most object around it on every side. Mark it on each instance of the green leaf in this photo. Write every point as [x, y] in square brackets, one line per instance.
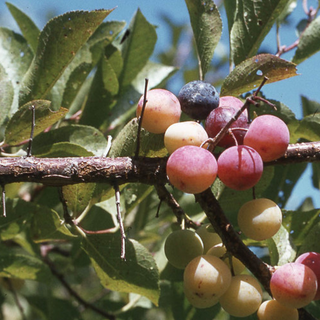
[281, 248]
[309, 106]
[28, 28]
[86, 137]
[19, 213]
[22, 266]
[230, 11]
[309, 42]
[19, 126]
[151, 145]
[16, 57]
[61, 149]
[309, 128]
[59, 42]
[249, 74]
[6, 96]
[207, 29]
[138, 274]
[155, 73]
[137, 48]
[78, 196]
[46, 225]
[110, 79]
[299, 223]
[253, 21]
[311, 241]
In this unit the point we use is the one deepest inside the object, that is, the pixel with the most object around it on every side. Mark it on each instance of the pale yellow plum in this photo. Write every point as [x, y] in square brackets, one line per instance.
[273, 310]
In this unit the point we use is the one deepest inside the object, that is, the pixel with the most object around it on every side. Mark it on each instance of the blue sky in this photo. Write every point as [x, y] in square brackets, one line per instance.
[287, 91]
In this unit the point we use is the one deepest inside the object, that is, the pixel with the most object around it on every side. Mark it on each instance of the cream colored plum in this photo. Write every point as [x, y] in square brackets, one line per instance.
[273, 310]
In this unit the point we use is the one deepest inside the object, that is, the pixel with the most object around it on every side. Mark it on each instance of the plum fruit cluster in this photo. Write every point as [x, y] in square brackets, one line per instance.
[211, 274]
[191, 168]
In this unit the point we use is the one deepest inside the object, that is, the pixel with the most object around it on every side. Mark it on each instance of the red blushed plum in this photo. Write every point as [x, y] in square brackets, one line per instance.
[312, 260]
[192, 169]
[269, 135]
[230, 101]
[218, 118]
[294, 285]
[240, 167]
[161, 111]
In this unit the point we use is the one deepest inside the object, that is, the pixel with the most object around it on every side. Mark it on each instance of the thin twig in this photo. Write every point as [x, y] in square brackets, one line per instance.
[66, 215]
[141, 117]
[33, 123]
[4, 209]
[119, 218]
[74, 294]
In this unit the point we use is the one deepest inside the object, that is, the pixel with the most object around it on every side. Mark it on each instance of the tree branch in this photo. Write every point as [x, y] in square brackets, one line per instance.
[72, 170]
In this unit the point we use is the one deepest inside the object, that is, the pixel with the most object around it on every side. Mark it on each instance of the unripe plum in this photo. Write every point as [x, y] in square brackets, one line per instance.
[243, 296]
[198, 99]
[273, 310]
[294, 285]
[260, 219]
[218, 118]
[181, 246]
[312, 260]
[184, 133]
[206, 278]
[240, 167]
[269, 135]
[161, 111]
[192, 169]
[209, 236]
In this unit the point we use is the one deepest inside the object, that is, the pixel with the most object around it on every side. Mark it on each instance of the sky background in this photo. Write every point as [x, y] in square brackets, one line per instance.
[288, 91]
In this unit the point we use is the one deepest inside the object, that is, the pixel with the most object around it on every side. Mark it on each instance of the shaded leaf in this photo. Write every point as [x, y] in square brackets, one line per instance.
[299, 223]
[311, 241]
[309, 106]
[86, 137]
[249, 74]
[151, 145]
[309, 128]
[110, 79]
[28, 28]
[19, 213]
[281, 248]
[78, 196]
[16, 57]
[207, 29]
[137, 48]
[59, 42]
[253, 21]
[19, 126]
[309, 42]
[138, 274]
[46, 225]
[22, 266]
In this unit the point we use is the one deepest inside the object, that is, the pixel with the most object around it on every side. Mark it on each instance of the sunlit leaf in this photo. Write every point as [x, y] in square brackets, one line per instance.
[86, 137]
[207, 29]
[136, 48]
[19, 126]
[151, 145]
[309, 127]
[249, 74]
[78, 196]
[59, 42]
[28, 28]
[6, 95]
[281, 248]
[138, 274]
[309, 107]
[253, 21]
[16, 57]
[309, 42]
